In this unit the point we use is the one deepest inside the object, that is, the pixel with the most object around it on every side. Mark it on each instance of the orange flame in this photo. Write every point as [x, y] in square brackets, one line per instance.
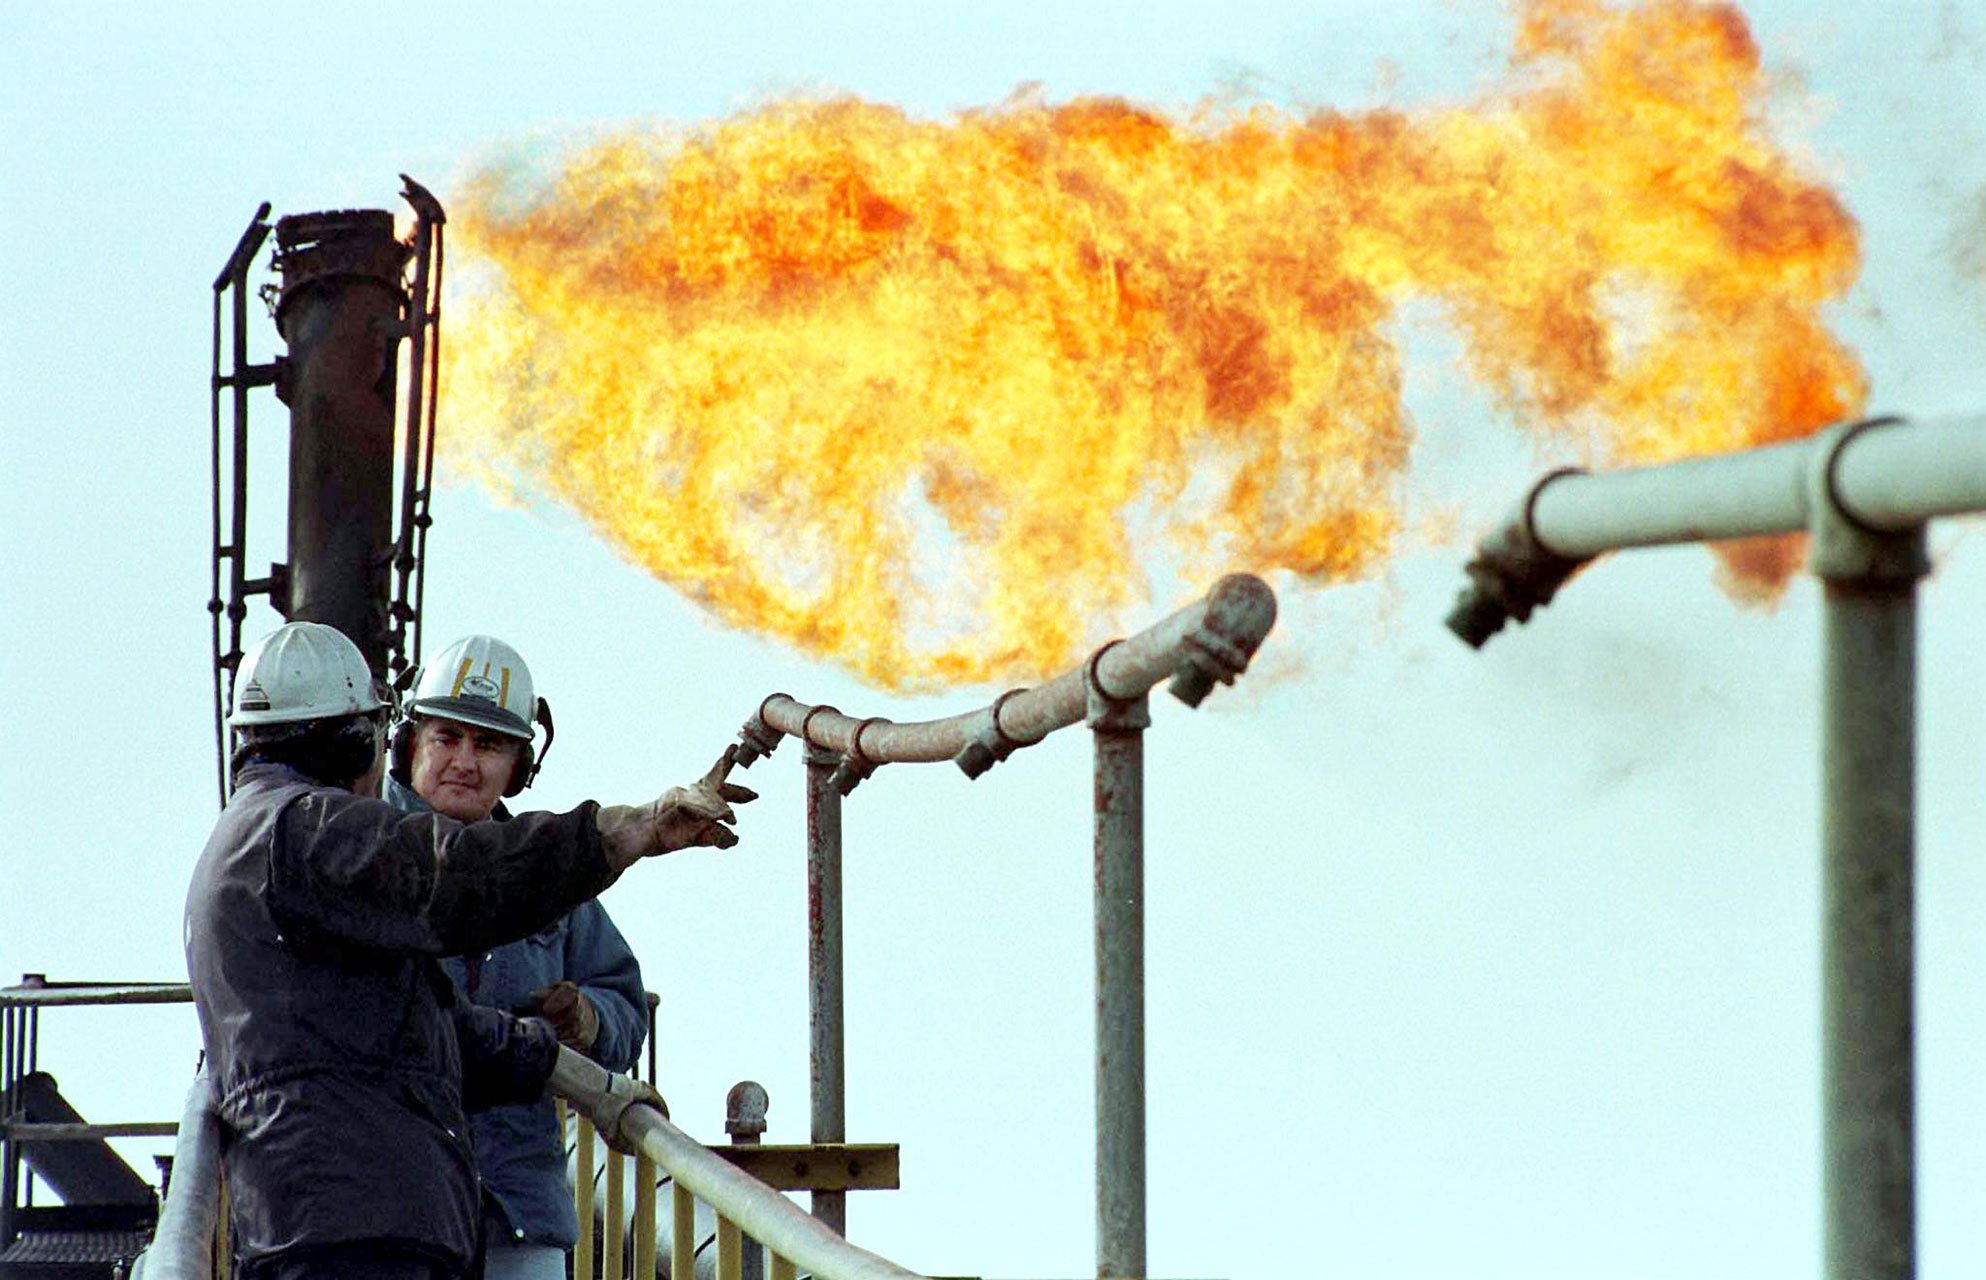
[922, 396]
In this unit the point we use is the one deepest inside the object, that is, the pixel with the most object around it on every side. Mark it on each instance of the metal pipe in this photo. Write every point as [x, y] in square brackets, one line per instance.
[1118, 727]
[1881, 475]
[1868, 843]
[182, 1246]
[1209, 641]
[51, 994]
[1863, 491]
[340, 310]
[829, 1099]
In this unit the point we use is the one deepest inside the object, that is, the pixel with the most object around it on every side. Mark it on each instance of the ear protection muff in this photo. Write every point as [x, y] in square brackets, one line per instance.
[529, 761]
[400, 753]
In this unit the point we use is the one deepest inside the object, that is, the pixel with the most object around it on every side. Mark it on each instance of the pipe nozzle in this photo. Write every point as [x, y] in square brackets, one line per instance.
[1512, 574]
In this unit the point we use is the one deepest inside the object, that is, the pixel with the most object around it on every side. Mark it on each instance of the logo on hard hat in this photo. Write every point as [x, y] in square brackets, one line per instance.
[479, 687]
[254, 698]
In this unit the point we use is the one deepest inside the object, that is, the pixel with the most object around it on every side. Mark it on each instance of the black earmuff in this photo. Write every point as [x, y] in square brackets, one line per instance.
[529, 761]
[400, 753]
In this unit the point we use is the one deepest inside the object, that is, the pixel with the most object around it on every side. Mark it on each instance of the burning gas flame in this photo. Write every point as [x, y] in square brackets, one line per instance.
[928, 397]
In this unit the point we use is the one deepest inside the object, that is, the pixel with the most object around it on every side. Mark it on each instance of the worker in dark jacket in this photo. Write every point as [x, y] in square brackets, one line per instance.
[341, 1058]
[465, 745]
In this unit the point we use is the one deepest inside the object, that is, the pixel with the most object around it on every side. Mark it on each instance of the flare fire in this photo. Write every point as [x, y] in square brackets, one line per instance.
[931, 397]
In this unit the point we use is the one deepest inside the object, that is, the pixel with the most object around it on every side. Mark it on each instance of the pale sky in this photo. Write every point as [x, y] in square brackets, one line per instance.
[1492, 965]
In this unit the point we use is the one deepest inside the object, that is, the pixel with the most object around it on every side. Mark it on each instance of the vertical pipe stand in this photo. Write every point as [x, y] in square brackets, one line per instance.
[1868, 767]
[829, 1101]
[1118, 726]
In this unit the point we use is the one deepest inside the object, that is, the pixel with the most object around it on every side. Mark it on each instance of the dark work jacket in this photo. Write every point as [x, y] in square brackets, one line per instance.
[520, 1152]
[334, 1041]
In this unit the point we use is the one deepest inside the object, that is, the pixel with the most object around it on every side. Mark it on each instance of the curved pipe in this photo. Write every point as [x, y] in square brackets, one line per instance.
[1206, 643]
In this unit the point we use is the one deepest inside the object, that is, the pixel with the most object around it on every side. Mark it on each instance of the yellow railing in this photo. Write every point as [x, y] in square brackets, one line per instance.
[744, 1207]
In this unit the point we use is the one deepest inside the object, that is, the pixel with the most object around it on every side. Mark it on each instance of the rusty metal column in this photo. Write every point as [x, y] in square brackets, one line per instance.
[1868, 767]
[1118, 727]
[830, 1097]
[341, 311]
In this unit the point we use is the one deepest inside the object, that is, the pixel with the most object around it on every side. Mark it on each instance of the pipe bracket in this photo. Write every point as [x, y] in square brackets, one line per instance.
[987, 744]
[1842, 548]
[1109, 714]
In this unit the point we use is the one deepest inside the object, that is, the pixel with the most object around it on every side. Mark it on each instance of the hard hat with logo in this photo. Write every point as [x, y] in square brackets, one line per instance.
[478, 680]
[301, 671]
[481, 681]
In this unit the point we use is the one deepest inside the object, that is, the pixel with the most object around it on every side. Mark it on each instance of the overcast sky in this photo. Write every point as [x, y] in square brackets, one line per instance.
[1486, 965]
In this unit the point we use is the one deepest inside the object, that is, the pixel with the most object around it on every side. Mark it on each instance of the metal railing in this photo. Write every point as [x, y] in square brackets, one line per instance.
[1209, 642]
[1864, 491]
[20, 1039]
[744, 1206]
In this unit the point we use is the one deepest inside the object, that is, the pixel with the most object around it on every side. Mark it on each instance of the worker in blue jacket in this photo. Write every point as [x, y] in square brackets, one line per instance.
[341, 1057]
[466, 744]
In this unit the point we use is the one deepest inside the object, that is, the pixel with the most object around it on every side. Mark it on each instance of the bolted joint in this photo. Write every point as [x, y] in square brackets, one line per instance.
[1842, 549]
[1210, 659]
[756, 738]
[1108, 714]
[744, 1111]
[1512, 574]
[849, 773]
[987, 744]
[855, 764]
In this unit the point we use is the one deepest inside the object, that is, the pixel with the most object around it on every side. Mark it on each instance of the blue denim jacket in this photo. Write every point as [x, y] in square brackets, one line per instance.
[520, 1153]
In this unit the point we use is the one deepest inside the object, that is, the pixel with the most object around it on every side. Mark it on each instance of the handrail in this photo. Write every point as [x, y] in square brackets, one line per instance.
[182, 1247]
[760, 1212]
[47, 995]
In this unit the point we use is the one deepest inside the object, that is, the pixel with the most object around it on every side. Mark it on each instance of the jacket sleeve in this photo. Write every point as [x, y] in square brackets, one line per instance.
[505, 1060]
[352, 871]
[598, 958]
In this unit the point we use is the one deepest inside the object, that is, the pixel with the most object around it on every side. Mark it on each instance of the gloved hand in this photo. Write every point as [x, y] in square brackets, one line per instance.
[626, 1093]
[571, 1014]
[680, 818]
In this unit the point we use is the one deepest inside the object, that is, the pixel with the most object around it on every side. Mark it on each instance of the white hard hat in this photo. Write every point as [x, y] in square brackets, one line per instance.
[301, 671]
[478, 680]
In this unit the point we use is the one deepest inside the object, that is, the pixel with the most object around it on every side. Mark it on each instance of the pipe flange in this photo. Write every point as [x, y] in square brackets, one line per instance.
[757, 738]
[856, 764]
[1842, 548]
[1108, 713]
[987, 744]
[1208, 658]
